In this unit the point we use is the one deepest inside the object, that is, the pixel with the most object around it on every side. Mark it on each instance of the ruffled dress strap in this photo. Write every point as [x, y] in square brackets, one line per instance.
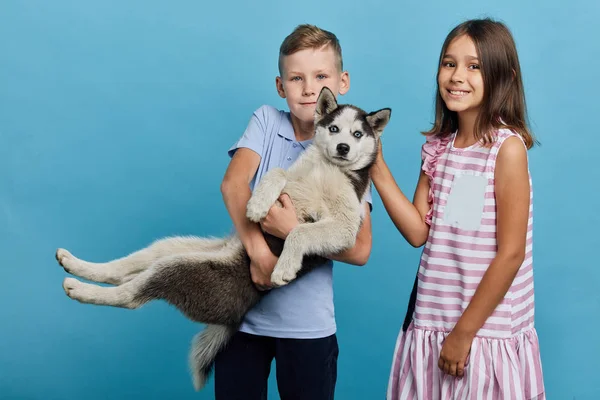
[431, 151]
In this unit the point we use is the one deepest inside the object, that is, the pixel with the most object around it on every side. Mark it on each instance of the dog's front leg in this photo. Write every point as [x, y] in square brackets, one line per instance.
[266, 194]
[322, 238]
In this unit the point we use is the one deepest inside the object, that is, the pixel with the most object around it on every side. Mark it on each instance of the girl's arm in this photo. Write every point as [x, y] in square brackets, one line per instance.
[512, 208]
[408, 217]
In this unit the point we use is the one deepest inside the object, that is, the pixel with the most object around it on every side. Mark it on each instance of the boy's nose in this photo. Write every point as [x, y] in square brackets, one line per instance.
[308, 91]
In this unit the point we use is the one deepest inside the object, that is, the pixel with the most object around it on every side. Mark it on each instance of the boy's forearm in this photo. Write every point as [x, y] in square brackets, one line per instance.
[236, 196]
[360, 252]
[357, 255]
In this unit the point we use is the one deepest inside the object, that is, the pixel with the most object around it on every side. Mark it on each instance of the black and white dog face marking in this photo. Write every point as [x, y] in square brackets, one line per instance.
[347, 135]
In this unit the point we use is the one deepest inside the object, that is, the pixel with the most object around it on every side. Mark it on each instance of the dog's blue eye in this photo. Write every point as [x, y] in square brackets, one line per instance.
[333, 129]
[358, 134]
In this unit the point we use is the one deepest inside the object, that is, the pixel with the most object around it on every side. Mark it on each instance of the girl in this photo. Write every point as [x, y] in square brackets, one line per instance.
[470, 331]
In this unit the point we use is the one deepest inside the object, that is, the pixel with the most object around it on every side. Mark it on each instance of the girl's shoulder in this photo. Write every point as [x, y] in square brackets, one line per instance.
[502, 134]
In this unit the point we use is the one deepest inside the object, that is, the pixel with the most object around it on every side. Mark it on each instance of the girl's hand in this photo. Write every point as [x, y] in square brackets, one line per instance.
[379, 158]
[379, 161]
[280, 221]
[455, 350]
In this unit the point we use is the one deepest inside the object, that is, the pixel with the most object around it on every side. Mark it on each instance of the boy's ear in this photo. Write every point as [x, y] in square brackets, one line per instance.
[344, 83]
[279, 87]
[326, 103]
[379, 119]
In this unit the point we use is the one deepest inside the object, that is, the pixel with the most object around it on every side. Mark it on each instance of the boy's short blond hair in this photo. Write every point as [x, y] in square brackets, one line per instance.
[309, 37]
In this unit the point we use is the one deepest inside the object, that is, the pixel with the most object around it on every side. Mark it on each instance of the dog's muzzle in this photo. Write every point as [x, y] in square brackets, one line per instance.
[343, 149]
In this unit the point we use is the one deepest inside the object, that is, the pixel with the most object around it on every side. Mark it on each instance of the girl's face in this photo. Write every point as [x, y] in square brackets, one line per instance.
[459, 76]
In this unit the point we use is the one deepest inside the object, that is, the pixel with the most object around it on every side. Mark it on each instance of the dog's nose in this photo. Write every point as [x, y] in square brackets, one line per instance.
[343, 149]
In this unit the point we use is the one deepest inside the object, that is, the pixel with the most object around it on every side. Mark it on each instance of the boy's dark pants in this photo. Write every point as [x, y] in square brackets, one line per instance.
[305, 368]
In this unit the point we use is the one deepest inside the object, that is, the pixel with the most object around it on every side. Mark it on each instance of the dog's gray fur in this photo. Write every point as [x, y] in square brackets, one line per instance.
[208, 279]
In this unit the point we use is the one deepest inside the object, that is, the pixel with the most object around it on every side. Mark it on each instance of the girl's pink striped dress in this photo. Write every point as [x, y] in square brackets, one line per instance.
[504, 362]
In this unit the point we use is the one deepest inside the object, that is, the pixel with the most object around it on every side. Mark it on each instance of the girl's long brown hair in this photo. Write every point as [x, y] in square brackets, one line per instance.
[503, 104]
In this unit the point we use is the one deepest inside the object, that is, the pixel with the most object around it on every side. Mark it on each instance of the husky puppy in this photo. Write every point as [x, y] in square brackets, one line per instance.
[208, 279]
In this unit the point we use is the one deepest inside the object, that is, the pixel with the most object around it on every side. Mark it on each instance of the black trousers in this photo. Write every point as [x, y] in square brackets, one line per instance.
[306, 368]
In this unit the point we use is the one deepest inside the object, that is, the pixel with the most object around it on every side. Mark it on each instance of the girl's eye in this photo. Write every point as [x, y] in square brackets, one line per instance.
[333, 129]
[448, 64]
[474, 66]
[358, 134]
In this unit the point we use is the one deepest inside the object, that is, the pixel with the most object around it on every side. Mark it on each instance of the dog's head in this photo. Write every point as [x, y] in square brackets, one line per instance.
[347, 135]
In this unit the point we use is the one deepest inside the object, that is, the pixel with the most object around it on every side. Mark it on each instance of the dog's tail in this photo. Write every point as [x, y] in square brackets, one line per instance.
[205, 347]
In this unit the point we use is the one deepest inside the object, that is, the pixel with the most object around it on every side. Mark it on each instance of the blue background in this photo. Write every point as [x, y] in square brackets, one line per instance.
[115, 118]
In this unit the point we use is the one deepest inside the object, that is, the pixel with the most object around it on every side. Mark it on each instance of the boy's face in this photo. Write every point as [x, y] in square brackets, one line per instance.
[304, 74]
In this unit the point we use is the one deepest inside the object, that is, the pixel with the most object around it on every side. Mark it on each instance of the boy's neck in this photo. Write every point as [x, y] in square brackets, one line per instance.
[302, 130]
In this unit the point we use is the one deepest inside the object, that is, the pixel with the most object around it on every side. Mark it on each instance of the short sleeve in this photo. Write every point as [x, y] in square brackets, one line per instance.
[258, 127]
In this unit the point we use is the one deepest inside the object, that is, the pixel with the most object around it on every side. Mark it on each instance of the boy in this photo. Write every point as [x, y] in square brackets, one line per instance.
[294, 324]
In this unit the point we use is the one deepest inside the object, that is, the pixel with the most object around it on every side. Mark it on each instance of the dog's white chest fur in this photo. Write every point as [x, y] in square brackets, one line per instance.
[319, 187]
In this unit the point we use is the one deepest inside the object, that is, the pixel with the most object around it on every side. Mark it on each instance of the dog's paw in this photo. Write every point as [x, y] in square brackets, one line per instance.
[61, 255]
[67, 261]
[257, 209]
[73, 288]
[281, 277]
[284, 273]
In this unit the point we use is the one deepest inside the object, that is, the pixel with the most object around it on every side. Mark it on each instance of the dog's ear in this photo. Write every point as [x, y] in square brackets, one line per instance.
[378, 120]
[326, 103]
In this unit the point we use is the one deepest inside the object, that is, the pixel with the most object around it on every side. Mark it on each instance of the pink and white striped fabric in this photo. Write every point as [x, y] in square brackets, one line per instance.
[504, 362]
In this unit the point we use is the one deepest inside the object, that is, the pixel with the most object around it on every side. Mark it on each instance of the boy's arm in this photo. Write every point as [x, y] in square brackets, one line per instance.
[359, 254]
[236, 192]
[281, 220]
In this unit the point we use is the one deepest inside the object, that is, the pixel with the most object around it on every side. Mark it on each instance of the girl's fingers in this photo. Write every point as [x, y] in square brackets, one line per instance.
[452, 369]
[460, 370]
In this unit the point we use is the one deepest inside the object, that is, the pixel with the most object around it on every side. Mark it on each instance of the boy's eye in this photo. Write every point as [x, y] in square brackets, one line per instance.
[321, 76]
[296, 78]
[358, 134]
[333, 129]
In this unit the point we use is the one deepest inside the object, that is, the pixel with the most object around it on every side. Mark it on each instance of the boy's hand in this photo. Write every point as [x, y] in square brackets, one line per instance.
[262, 264]
[455, 350]
[279, 222]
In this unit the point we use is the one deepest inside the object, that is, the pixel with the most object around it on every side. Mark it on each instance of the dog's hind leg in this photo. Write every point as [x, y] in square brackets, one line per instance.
[206, 287]
[130, 294]
[124, 269]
